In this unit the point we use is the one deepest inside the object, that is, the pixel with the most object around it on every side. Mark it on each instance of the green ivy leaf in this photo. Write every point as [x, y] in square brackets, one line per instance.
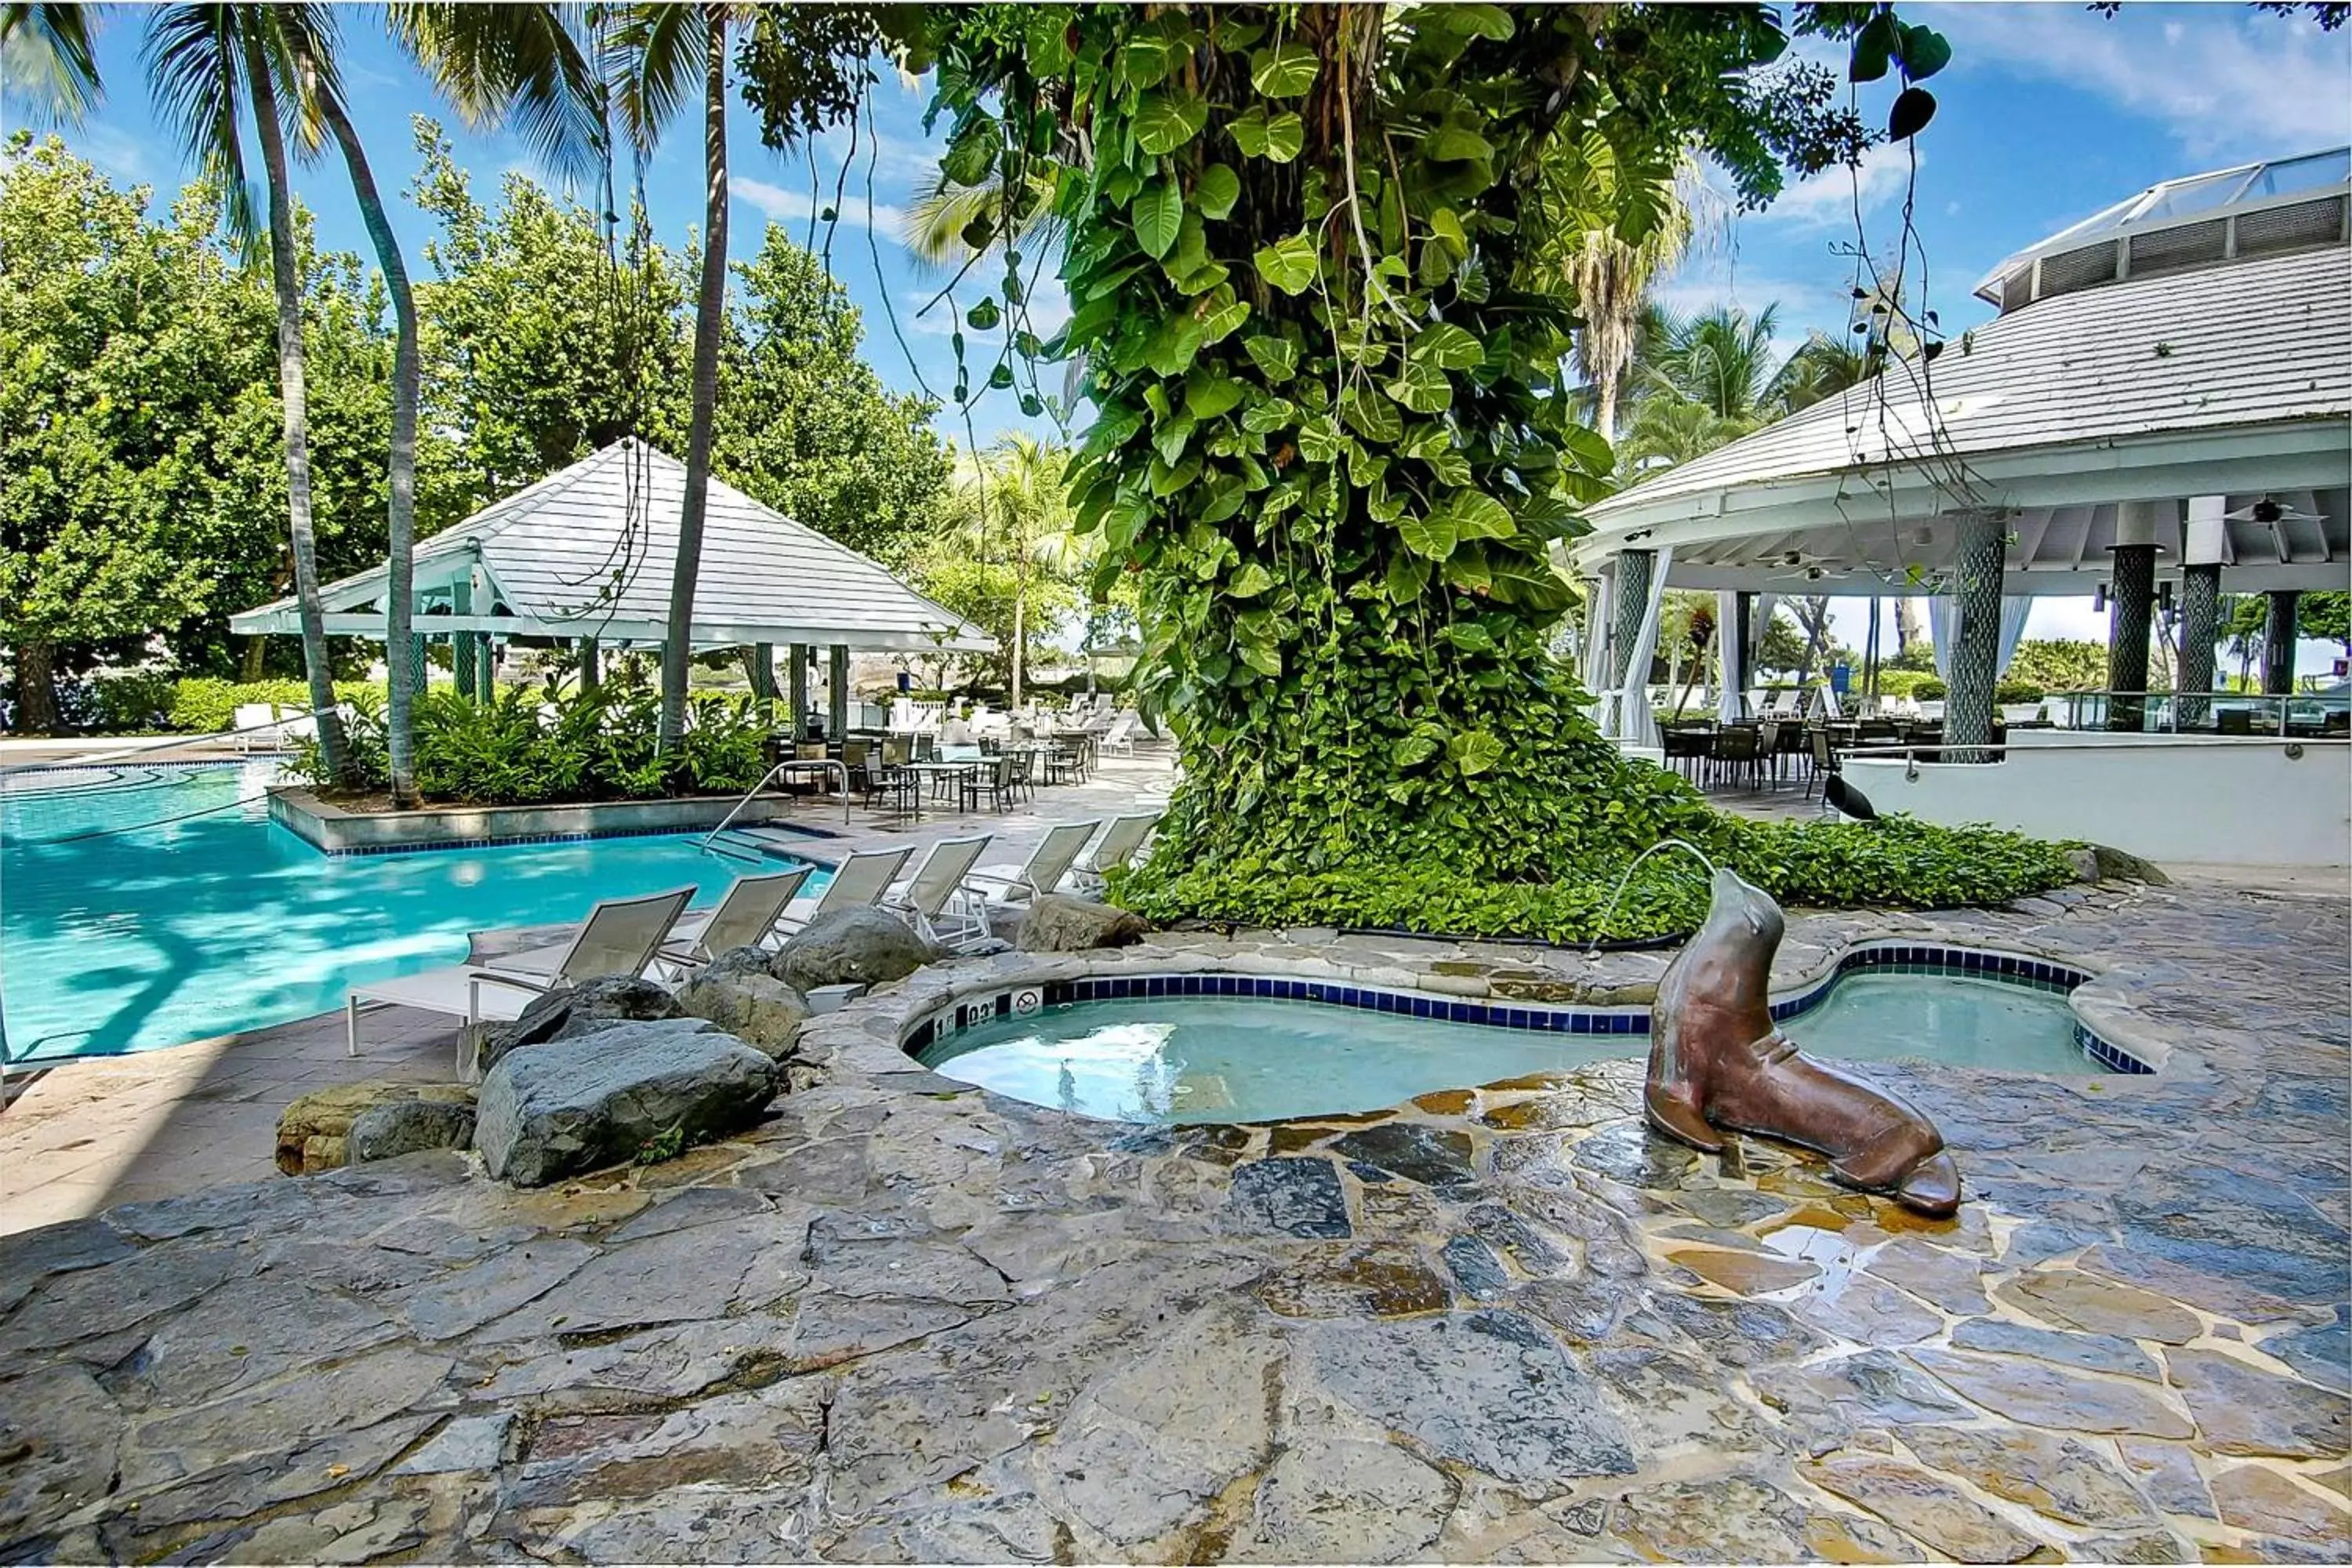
[1288, 264]
[1222, 320]
[1173, 347]
[1271, 415]
[1262, 657]
[1924, 51]
[1475, 752]
[1477, 515]
[1249, 582]
[1447, 346]
[1374, 419]
[1470, 638]
[1165, 121]
[1319, 439]
[1430, 535]
[1528, 584]
[1422, 387]
[1207, 395]
[1276, 358]
[983, 316]
[972, 155]
[1415, 749]
[1277, 137]
[1216, 190]
[1159, 215]
[1147, 57]
[1170, 437]
[1455, 144]
[1407, 577]
[1286, 70]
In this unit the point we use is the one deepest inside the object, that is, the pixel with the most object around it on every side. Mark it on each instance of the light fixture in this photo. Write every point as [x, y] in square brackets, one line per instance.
[1923, 535]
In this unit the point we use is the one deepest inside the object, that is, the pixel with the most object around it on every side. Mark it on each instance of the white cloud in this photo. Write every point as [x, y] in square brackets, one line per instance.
[793, 207]
[1828, 200]
[121, 156]
[2222, 81]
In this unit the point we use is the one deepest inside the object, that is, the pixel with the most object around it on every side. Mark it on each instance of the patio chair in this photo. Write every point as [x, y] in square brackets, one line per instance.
[1120, 736]
[620, 937]
[935, 900]
[255, 728]
[860, 879]
[745, 916]
[1046, 866]
[1825, 759]
[1117, 847]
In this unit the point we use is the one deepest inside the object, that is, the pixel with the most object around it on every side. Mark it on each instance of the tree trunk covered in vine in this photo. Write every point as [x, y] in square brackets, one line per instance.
[1312, 257]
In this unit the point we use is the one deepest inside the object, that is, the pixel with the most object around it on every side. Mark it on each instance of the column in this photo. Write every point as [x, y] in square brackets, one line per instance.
[417, 667]
[2278, 643]
[2129, 607]
[1629, 601]
[836, 692]
[461, 644]
[591, 675]
[1977, 562]
[486, 662]
[763, 680]
[796, 656]
[1743, 620]
[2204, 551]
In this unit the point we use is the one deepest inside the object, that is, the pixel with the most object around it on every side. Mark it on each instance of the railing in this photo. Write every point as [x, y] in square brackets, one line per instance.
[2302, 714]
[790, 765]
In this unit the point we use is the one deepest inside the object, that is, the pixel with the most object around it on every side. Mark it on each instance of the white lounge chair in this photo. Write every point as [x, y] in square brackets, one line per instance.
[745, 916]
[620, 936]
[935, 900]
[1119, 737]
[1117, 845]
[255, 727]
[862, 879]
[1046, 866]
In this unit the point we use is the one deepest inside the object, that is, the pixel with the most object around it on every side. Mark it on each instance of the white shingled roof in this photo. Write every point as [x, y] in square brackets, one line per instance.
[2234, 380]
[588, 551]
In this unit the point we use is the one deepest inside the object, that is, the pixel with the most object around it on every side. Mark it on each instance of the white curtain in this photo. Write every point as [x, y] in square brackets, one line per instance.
[1636, 724]
[1731, 700]
[1944, 630]
[1600, 613]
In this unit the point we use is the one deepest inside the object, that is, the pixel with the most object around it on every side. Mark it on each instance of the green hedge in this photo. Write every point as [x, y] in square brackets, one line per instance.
[1897, 862]
[204, 705]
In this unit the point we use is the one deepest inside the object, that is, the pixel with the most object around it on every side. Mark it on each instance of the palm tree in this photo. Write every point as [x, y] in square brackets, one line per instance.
[205, 65]
[660, 49]
[1823, 367]
[935, 225]
[1669, 428]
[1018, 508]
[1721, 358]
[47, 61]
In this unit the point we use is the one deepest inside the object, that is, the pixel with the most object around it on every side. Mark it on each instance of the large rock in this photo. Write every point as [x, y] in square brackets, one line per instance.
[1059, 923]
[599, 1098]
[313, 1129]
[399, 1127]
[851, 947]
[592, 1004]
[736, 991]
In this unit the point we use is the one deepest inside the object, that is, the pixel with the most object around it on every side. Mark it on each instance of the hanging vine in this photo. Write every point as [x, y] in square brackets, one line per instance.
[1310, 256]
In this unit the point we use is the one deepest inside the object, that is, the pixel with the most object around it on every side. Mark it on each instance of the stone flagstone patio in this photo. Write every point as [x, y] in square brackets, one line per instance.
[904, 1319]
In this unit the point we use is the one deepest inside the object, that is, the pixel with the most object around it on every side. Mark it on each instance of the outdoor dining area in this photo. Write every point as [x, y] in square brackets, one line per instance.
[961, 766]
[1772, 752]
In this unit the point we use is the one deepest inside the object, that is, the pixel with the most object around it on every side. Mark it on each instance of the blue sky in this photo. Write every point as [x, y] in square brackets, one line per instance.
[2048, 113]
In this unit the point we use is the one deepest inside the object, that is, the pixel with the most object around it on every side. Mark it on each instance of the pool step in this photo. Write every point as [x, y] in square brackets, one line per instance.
[753, 844]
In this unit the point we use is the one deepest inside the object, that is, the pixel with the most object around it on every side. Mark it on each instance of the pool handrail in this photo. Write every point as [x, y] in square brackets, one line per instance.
[788, 766]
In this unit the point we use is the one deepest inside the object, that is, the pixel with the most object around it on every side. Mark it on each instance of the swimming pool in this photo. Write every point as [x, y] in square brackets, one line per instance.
[147, 906]
[1211, 1057]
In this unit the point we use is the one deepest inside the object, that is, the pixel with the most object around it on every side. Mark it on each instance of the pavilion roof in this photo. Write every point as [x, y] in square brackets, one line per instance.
[589, 550]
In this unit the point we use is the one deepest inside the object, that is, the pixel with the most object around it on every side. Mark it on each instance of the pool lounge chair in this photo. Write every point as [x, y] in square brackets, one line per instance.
[620, 936]
[935, 900]
[1117, 845]
[862, 879]
[1042, 871]
[745, 916]
[254, 727]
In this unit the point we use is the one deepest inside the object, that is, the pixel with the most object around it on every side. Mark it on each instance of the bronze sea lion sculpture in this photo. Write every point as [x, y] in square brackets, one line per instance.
[1718, 1060]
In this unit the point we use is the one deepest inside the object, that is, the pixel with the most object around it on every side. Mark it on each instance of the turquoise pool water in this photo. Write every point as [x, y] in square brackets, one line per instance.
[1197, 1058]
[177, 930]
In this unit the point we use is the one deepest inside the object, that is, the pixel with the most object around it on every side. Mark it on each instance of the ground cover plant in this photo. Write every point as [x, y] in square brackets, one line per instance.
[1313, 255]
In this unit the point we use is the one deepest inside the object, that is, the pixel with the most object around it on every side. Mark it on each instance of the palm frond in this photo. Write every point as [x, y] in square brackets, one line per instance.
[655, 66]
[529, 66]
[47, 61]
[194, 59]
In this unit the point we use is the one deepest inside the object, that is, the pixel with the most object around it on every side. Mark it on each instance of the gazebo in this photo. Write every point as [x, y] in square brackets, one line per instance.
[2163, 404]
[585, 555]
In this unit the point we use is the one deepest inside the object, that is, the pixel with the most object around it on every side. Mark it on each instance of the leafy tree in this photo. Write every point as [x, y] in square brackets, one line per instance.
[1821, 367]
[2060, 664]
[806, 425]
[142, 482]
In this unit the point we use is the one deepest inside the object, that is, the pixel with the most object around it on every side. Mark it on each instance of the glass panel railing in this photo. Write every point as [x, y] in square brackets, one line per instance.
[2305, 715]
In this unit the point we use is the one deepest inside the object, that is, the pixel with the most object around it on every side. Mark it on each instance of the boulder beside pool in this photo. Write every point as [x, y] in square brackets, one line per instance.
[1057, 922]
[399, 1127]
[600, 1098]
[575, 1010]
[864, 946]
[314, 1130]
[736, 991]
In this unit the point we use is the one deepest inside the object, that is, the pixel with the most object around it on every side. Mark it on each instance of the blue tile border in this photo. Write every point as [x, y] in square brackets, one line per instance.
[435, 845]
[1903, 958]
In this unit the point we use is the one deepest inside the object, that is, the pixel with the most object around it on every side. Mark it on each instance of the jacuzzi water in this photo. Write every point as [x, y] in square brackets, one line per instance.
[1203, 1059]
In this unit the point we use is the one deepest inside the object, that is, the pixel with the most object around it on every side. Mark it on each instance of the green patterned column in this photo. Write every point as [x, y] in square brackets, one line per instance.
[2200, 623]
[1633, 568]
[2278, 643]
[797, 656]
[590, 674]
[1975, 644]
[415, 665]
[486, 663]
[2129, 608]
[461, 644]
[837, 694]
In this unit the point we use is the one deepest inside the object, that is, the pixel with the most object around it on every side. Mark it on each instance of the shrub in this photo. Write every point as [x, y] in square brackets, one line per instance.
[1897, 862]
[206, 705]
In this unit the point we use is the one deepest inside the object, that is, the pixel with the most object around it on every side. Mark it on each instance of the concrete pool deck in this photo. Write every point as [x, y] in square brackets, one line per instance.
[903, 1321]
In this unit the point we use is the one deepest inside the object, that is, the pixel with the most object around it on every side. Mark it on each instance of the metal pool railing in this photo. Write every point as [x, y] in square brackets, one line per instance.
[790, 765]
